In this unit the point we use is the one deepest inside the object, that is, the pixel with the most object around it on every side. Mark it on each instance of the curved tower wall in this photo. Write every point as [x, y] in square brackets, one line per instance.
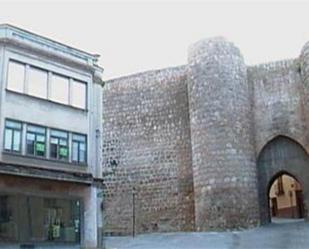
[304, 70]
[224, 167]
[304, 62]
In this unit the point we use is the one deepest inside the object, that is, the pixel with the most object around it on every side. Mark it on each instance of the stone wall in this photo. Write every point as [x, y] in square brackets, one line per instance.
[188, 141]
[280, 106]
[278, 102]
[147, 147]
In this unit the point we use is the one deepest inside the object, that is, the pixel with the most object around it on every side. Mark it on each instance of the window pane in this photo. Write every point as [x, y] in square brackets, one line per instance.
[36, 129]
[36, 140]
[75, 152]
[81, 138]
[30, 143]
[63, 142]
[8, 218]
[40, 149]
[61, 134]
[16, 76]
[13, 124]
[62, 220]
[30, 137]
[8, 139]
[82, 153]
[37, 85]
[63, 152]
[60, 89]
[79, 94]
[53, 150]
[54, 140]
[40, 138]
[16, 140]
[27, 219]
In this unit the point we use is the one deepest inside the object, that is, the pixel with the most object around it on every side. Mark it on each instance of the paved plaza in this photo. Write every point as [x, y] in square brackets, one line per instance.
[280, 234]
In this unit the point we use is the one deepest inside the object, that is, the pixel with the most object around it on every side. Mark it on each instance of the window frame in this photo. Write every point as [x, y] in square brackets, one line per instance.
[35, 68]
[78, 150]
[51, 82]
[71, 93]
[11, 150]
[68, 138]
[8, 76]
[58, 145]
[51, 196]
[70, 75]
[36, 134]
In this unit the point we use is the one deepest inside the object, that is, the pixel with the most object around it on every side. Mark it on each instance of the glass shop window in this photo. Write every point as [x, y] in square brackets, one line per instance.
[79, 96]
[59, 145]
[60, 89]
[12, 140]
[30, 219]
[8, 218]
[16, 76]
[79, 148]
[36, 140]
[37, 82]
[54, 219]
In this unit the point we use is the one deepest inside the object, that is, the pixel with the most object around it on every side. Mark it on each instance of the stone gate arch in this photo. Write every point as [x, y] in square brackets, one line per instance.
[281, 155]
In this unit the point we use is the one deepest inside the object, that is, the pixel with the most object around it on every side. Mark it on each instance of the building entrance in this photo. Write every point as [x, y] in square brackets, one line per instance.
[283, 173]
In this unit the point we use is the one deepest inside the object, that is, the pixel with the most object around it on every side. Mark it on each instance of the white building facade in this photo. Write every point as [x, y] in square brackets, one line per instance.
[50, 122]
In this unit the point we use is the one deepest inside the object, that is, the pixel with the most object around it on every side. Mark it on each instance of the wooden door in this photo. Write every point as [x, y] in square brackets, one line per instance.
[274, 207]
[300, 203]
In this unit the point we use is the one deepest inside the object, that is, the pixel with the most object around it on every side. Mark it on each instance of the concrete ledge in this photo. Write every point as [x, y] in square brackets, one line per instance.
[35, 172]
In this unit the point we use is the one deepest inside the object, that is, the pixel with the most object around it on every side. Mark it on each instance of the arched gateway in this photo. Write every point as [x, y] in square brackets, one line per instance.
[281, 156]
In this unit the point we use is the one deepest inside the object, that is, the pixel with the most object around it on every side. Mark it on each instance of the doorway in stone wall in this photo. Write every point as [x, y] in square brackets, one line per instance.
[286, 202]
[283, 173]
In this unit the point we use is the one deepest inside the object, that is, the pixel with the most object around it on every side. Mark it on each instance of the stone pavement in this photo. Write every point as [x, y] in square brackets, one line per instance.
[281, 234]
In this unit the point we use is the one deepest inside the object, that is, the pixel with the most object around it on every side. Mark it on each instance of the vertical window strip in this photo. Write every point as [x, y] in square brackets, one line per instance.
[16, 76]
[13, 132]
[36, 140]
[79, 147]
[59, 146]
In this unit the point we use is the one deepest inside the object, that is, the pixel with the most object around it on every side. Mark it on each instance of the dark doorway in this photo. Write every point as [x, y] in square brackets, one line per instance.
[286, 198]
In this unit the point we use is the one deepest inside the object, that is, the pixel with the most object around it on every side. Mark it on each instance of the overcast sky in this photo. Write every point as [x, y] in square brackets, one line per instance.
[138, 36]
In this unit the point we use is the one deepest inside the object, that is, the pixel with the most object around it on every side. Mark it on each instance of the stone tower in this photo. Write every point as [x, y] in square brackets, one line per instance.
[304, 72]
[224, 167]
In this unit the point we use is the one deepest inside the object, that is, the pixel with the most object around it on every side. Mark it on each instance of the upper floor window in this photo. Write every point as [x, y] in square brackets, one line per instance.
[79, 93]
[37, 82]
[16, 76]
[79, 150]
[44, 84]
[36, 140]
[59, 147]
[60, 89]
[12, 140]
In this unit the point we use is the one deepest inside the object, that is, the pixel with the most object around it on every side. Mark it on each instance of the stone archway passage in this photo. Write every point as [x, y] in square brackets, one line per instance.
[281, 155]
[285, 198]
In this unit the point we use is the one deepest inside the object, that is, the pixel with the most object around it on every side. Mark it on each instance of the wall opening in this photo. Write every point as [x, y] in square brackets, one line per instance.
[286, 199]
[281, 158]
